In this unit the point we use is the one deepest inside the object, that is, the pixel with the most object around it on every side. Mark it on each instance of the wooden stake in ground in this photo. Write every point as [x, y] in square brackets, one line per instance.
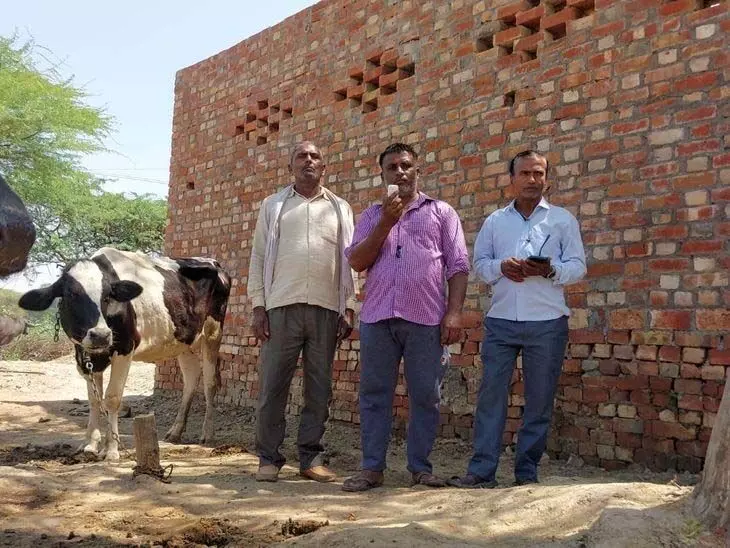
[147, 447]
[712, 494]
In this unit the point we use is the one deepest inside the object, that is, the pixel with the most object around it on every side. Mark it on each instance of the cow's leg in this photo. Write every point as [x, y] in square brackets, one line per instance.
[93, 432]
[190, 368]
[210, 384]
[112, 401]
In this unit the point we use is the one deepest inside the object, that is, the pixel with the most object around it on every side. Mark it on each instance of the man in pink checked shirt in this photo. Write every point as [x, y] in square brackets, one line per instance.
[412, 246]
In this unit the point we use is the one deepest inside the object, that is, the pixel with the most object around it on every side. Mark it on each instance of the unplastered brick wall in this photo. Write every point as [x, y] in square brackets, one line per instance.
[629, 101]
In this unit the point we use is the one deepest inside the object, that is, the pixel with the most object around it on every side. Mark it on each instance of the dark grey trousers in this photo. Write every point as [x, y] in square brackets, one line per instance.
[311, 331]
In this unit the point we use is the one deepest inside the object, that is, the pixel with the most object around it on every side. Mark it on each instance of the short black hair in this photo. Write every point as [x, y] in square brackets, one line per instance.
[298, 146]
[397, 148]
[524, 154]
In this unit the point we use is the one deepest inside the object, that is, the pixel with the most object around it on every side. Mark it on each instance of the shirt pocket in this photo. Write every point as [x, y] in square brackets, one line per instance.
[324, 224]
[552, 237]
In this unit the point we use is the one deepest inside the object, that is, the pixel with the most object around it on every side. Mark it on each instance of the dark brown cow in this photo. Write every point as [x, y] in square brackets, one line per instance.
[118, 306]
[17, 232]
[17, 235]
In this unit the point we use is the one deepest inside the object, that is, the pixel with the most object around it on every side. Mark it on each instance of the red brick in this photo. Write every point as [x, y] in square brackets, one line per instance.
[662, 430]
[690, 371]
[630, 127]
[508, 13]
[713, 320]
[696, 82]
[671, 319]
[616, 336]
[719, 357]
[614, 27]
[627, 319]
[668, 265]
[660, 384]
[558, 19]
[694, 114]
[530, 43]
[691, 402]
[692, 448]
[601, 148]
[508, 36]
[675, 7]
[687, 386]
[633, 382]
[721, 160]
[670, 354]
[668, 232]
[531, 17]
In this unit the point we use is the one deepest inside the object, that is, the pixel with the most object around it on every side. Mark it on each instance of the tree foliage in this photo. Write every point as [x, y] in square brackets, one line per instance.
[46, 127]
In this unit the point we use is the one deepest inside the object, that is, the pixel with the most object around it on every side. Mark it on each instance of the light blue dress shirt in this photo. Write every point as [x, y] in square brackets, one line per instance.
[506, 233]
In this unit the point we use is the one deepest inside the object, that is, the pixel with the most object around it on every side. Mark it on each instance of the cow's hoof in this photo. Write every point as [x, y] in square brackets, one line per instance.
[173, 437]
[88, 448]
[112, 456]
[207, 440]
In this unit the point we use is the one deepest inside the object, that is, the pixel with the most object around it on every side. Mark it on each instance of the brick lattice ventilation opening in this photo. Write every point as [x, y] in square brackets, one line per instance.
[523, 27]
[262, 121]
[381, 75]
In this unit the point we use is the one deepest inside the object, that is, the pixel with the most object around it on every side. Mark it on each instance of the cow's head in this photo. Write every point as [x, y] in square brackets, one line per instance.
[17, 232]
[89, 296]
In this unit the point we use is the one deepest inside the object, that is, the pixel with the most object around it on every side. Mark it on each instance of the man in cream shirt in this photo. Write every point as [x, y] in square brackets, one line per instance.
[528, 252]
[302, 292]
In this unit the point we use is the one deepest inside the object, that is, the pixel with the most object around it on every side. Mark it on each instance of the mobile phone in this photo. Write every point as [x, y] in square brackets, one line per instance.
[538, 259]
[392, 189]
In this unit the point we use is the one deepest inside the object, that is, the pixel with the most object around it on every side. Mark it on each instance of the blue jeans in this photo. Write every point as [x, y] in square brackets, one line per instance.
[382, 345]
[543, 349]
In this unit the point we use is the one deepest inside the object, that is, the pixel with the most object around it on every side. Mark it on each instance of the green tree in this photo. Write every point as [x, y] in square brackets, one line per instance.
[46, 127]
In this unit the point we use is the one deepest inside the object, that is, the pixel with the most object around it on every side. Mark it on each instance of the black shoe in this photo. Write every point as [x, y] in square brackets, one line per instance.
[470, 481]
[525, 481]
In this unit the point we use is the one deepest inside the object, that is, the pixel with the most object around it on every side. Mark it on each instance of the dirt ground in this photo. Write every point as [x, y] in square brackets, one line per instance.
[51, 497]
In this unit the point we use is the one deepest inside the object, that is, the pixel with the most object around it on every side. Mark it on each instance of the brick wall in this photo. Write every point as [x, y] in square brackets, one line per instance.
[628, 99]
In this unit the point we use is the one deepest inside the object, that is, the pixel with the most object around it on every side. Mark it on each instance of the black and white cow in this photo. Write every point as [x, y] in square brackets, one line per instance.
[119, 306]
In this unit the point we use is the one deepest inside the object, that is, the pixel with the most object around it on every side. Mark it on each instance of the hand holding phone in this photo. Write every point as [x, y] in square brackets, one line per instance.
[536, 265]
[392, 207]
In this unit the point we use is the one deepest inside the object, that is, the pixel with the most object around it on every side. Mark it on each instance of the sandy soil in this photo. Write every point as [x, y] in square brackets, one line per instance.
[51, 497]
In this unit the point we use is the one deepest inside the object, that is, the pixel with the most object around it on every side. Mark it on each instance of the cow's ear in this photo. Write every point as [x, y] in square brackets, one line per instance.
[125, 291]
[41, 299]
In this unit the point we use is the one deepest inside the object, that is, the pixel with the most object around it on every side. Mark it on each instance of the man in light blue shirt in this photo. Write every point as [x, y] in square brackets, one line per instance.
[527, 251]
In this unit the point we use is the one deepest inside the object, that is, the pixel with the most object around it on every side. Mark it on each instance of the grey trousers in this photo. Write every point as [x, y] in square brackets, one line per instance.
[311, 331]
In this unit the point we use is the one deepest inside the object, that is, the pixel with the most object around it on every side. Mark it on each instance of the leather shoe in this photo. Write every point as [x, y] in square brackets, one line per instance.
[321, 474]
[267, 472]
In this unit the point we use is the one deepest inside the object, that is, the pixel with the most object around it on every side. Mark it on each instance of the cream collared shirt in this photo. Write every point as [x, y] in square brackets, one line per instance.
[306, 269]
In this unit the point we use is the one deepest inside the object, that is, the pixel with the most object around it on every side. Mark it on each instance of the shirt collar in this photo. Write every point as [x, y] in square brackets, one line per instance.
[543, 204]
[292, 192]
[422, 198]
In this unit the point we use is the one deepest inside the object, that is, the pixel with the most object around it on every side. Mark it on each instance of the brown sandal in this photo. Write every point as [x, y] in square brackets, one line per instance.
[428, 479]
[363, 481]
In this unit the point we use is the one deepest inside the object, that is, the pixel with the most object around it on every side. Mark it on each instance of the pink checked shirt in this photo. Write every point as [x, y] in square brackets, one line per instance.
[423, 250]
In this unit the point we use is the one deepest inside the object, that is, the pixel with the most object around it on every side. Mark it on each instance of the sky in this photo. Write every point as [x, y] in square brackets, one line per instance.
[125, 56]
